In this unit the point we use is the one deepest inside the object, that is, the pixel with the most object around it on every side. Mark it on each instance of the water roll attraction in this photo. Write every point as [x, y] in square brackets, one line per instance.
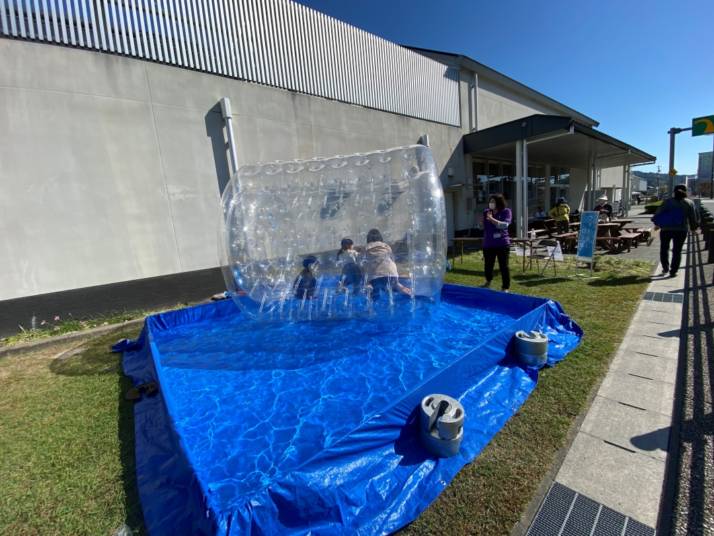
[294, 408]
[285, 225]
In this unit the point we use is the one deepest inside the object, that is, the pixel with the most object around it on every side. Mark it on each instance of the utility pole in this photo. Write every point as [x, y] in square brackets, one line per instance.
[672, 172]
[659, 170]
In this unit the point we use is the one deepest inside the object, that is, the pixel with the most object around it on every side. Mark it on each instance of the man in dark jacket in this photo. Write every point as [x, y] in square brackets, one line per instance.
[674, 217]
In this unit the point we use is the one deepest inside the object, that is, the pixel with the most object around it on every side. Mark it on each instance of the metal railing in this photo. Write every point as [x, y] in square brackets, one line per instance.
[274, 42]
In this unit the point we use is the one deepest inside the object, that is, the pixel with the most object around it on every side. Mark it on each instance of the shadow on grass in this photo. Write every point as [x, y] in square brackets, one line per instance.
[463, 271]
[543, 281]
[125, 429]
[523, 277]
[96, 358]
[619, 281]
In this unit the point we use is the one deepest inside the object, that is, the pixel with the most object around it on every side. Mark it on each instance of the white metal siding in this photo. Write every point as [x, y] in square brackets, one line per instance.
[274, 42]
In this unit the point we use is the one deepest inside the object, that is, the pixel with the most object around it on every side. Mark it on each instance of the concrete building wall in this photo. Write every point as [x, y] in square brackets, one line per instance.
[497, 104]
[611, 177]
[111, 168]
[578, 186]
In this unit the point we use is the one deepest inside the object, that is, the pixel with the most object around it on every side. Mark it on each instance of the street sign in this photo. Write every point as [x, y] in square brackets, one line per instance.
[672, 172]
[703, 125]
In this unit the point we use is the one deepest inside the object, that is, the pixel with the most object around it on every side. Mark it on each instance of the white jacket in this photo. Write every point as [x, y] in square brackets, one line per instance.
[380, 261]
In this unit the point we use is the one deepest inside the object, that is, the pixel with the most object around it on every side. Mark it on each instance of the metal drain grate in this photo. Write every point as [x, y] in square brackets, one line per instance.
[669, 297]
[566, 512]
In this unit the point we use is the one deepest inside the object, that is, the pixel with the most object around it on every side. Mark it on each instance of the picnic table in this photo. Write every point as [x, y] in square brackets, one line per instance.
[568, 241]
[614, 238]
[621, 222]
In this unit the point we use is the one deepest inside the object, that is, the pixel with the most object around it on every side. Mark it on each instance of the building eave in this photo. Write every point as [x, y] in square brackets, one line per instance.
[487, 72]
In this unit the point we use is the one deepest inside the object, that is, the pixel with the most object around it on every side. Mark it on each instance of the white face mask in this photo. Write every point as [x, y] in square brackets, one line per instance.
[492, 205]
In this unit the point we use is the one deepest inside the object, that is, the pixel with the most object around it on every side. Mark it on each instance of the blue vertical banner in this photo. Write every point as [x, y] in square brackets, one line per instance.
[587, 236]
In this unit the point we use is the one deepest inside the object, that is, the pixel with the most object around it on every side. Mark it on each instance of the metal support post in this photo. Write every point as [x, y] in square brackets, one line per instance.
[546, 189]
[629, 189]
[519, 187]
[524, 229]
[625, 192]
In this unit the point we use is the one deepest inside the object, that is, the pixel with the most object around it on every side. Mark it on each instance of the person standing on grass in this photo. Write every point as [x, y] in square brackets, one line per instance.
[674, 217]
[496, 242]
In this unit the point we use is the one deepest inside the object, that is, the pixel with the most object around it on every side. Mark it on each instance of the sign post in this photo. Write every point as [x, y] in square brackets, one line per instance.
[587, 238]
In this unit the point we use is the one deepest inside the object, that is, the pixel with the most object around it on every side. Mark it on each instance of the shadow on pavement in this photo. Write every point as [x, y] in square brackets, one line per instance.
[689, 480]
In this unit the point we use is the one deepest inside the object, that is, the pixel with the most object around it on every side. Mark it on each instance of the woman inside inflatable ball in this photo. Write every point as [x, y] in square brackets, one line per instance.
[371, 268]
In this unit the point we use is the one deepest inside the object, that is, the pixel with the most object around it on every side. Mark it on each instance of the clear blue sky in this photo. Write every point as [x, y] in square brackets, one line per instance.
[638, 67]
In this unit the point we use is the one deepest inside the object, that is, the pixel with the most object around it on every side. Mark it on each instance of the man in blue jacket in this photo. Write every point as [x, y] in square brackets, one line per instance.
[674, 217]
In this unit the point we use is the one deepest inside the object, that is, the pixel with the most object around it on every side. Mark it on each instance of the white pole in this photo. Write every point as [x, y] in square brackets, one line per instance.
[519, 187]
[524, 229]
[546, 188]
[625, 192]
[228, 118]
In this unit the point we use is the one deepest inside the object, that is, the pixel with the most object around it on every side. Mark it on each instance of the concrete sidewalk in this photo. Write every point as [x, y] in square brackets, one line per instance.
[611, 480]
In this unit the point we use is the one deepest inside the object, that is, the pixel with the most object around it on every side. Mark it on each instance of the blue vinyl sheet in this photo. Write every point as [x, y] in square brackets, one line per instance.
[333, 454]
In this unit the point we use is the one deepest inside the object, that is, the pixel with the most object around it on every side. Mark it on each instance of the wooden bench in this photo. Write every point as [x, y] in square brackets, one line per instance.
[613, 244]
[620, 243]
[645, 232]
[630, 239]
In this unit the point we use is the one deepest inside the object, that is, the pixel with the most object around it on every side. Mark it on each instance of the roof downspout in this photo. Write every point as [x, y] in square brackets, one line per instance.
[228, 118]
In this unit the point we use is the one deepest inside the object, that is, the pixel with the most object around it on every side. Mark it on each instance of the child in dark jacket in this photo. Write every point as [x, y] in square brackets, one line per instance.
[351, 273]
[305, 282]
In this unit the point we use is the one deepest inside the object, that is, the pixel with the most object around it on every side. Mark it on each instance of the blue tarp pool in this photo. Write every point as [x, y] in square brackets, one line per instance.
[309, 427]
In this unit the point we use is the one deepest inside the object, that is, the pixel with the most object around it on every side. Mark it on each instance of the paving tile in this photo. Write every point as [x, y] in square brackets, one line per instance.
[646, 394]
[646, 432]
[667, 347]
[660, 317]
[656, 368]
[653, 330]
[625, 481]
[660, 306]
[667, 284]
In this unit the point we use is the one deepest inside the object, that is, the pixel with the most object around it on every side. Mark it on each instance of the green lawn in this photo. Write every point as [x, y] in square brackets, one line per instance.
[66, 442]
[66, 434]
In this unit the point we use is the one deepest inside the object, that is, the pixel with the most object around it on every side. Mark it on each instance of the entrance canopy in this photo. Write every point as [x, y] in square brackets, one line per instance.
[554, 139]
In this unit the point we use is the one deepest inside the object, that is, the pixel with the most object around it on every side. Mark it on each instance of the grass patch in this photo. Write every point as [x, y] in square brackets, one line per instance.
[651, 208]
[67, 439]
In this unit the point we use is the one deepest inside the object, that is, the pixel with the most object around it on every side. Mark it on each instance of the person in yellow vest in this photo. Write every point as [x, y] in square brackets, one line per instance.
[561, 214]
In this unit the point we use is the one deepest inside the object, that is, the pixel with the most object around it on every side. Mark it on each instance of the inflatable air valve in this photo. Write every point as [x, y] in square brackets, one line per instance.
[532, 348]
[441, 423]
